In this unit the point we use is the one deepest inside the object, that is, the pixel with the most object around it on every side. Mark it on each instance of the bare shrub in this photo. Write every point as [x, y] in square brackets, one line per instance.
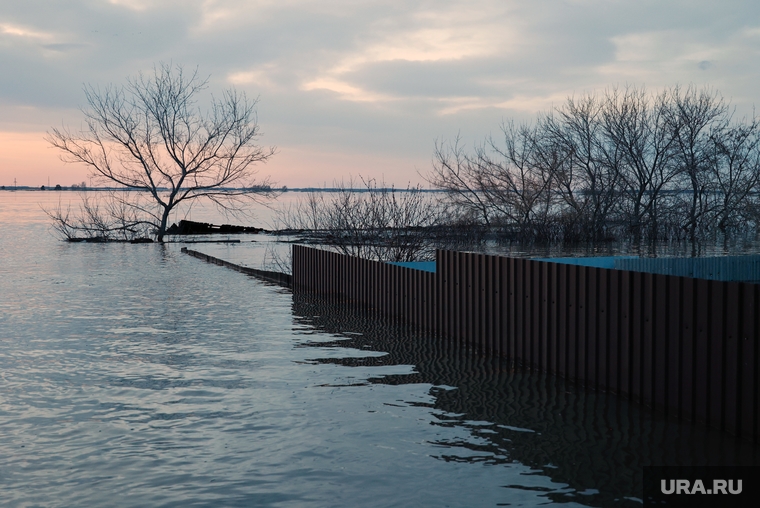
[372, 221]
[116, 216]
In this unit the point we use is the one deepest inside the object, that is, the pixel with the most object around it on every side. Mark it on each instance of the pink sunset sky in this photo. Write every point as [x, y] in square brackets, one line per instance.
[352, 88]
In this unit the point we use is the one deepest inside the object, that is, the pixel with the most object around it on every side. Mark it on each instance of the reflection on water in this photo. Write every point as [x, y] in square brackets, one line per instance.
[133, 375]
[595, 443]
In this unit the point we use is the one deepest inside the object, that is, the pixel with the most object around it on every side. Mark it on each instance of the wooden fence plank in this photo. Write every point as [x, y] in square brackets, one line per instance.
[625, 332]
[592, 322]
[688, 349]
[562, 332]
[535, 312]
[731, 364]
[544, 317]
[477, 301]
[504, 307]
[647, 344]
[637, 332]
[520, 311]
[750, 313]
[511, 309]
[716, 352]
[613, 333]
[487, 316]
[602, 336]
[553, 320]
[461, 304]
[572, 322]
[702, 363]
[447, 294]
[661, 310]
[673, 338]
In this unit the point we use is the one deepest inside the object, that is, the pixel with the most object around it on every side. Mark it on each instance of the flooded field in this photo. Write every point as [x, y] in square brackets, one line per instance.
[134, 375]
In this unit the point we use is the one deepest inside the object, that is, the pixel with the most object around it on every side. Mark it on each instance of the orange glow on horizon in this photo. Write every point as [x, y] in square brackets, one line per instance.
[28, 158]
[303, 166]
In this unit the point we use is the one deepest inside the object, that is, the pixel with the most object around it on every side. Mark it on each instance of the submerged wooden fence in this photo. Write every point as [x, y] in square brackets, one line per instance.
[685, 346]
[282, 279]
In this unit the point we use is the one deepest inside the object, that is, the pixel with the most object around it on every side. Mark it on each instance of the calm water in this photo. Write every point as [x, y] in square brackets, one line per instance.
[134, 375]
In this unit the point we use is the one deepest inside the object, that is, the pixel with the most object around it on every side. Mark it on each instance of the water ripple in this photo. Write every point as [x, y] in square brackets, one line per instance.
[138, 376]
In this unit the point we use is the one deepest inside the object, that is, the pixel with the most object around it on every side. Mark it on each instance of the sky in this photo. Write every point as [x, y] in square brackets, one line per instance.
[351, 87]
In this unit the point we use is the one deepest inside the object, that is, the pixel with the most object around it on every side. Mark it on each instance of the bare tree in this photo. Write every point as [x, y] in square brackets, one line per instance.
[515, 178]
[505, 182]
[623, 164]
[150, 136]
[455, 172]
[736, 173]
[637, 124]
[370, 220]
[589, 176]
[697, 120]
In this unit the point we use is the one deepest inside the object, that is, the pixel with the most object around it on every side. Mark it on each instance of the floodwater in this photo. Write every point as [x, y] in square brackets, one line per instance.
[134, 375]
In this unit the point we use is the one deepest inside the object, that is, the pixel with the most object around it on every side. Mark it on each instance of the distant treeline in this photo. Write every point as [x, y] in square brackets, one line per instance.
[622, 165]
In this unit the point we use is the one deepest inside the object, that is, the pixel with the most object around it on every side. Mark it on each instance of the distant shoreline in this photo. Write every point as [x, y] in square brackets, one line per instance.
[253, 191]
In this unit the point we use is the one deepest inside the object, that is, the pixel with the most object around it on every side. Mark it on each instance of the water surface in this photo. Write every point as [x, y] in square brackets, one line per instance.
[134, 375]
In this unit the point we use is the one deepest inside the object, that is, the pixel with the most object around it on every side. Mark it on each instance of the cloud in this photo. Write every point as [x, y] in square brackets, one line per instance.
[136, 5]
[64, 46]
[381, 78]
[24, 32]
[451, 34]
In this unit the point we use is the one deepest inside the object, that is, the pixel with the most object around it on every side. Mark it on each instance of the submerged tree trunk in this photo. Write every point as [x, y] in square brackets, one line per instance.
[162, 226]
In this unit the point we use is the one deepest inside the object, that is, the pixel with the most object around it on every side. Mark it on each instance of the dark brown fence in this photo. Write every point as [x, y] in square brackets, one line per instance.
[685, 346]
